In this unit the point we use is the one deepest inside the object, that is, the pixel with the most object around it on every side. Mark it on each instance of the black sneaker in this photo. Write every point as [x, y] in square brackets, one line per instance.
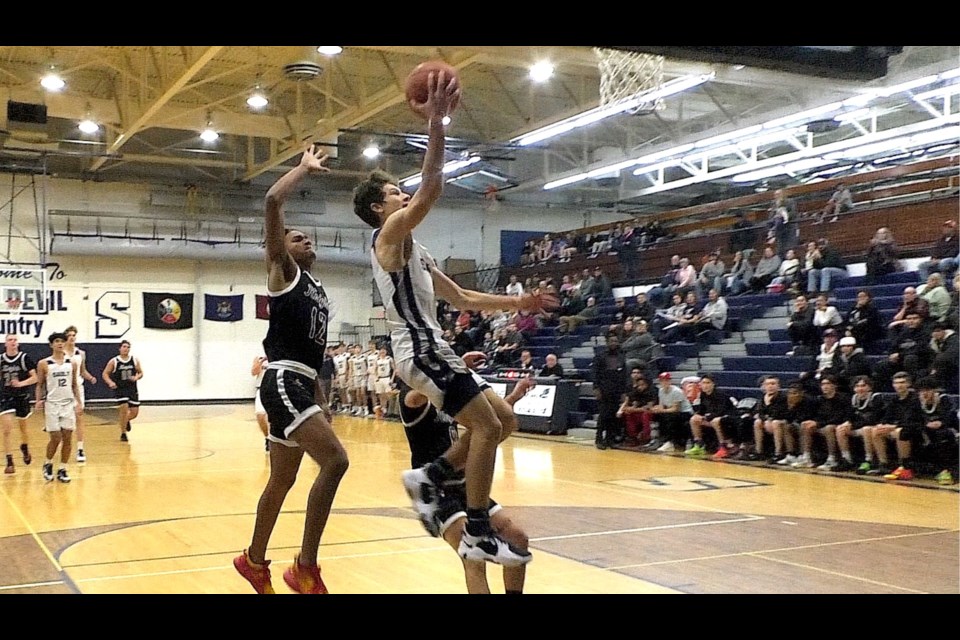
[123, 437]
[600, 444]
[266, 445]
[492, 548]
[129, 425]
[881, 469]
[62, 476]
[48, 471]
[81, 456]
[27, 458]
[843, 466]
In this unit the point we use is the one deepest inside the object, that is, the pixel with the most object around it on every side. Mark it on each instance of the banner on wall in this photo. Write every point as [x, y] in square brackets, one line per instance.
[263, 307]
[168, 310]
[223, 308]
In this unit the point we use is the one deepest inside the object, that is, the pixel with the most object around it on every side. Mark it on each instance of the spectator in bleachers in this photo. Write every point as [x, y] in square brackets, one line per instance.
[711, 274]
[620, 310]
[568, 248]
[911, 303]
[808, 262]
[551, 368]
[743, 236]
[800, 407]
[786, 274]
[768, 414]
[714, 411]
[782, 224]
[509, 346]
[685, 328]
[635, 409]
[615, 240]
[640, 308]
[621, 329]
[714, 313]
[828, 267]
[568, 324]
[938, 442]
[490, 344]
[546, 318]
[525, 362]
[626, 248]
[937, 297]
[823, 361]
[566, 285]
[803, 335]
[883, 255]
[604, 289]
[840, 202]
[833, 408]
[514, 288]
[668, 283]
[909, 352]
[765, 271]
[672, 412]
[640, 349]
[945, 349]
[526, 324]
[825, 315]
[863, 321]
[868, 407]
[610, 383]
[528, 257]
[849, 363]
[953, 316]
[601, 243]
[735, 281]
[589, 285]
[902, 421]
[686, 277]
[462, 342]
[545, 248]
[944, 257]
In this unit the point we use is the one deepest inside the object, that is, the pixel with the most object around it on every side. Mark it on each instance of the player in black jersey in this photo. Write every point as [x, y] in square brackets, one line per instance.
[18, 373]
[430, 433]
[121, 374]
[298, 414]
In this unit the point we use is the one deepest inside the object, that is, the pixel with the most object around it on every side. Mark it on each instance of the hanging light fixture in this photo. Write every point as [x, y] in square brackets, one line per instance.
[88, 124]
[371, 151]
[330, 51]
[52, 80]
[209, 134]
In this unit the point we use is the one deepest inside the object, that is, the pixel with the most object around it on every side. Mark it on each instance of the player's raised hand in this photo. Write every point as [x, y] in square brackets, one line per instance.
[313, 159]
[443, 95]
[538, 301]
[475, 359]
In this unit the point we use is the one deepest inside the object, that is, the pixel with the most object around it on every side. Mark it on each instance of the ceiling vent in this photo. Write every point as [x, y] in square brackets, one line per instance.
[303, 70]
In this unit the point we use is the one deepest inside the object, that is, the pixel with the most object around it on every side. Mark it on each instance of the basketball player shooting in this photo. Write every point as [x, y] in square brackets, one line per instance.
[409, 281]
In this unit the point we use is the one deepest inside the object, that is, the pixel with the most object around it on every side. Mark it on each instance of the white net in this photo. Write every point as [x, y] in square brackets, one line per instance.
[624, 74]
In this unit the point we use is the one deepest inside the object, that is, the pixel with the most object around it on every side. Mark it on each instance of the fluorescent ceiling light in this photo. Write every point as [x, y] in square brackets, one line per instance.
[330, 51]
[371, 152]
[449, 167]
[793, 167]
[89, 126]
[209, 135]
[541, 71]
[52, 81]
[257, 100]
[902, 142]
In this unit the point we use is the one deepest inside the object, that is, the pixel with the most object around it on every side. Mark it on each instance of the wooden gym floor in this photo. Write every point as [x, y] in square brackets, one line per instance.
[166, 513]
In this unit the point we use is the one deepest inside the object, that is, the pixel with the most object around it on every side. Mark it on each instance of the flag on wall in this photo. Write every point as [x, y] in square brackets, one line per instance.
[263, 307]
[168, 310]
[223, 308]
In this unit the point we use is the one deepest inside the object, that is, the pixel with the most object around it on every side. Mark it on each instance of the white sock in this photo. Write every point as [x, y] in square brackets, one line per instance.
[63, 466]
[847, 456]
[80, 445]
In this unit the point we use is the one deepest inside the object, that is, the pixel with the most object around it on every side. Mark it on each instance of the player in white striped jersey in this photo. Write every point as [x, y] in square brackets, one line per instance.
[59, 397]
[372, 354]
[385, 384]
[78, 355]
[340, 384]
[358, 382]
[409, 281]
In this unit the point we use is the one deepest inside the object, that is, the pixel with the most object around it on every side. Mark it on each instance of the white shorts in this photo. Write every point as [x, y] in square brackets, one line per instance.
[383, 385]
[257, 405]
[371, 384]
[359, 382]
[59, 416]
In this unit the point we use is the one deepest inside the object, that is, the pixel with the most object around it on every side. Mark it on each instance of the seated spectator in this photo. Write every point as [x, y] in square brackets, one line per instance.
[768, 415]
[808, 262]
[714, 313]
[545, 248]
[566, 285]
[863, 321]
[937, 297]
[568, 324]
[559, 249]
[568, 248]
[911, 303]
[685, 328]
[589, 285]
[711, 274]
[828, 268]
[902, 422]
[686, 277]
[604, 289]
[786, 274]
[803, 335]
[546, 318]
[669, 316]
[601, 243]
[840, 202]
[825, 315]
[945, 350]
[525, 362]
[620, 310]
[642, 309]
[662, 292]
[823, 361]
[672, 412]
[526, 324]
[462, 342]
[800, 407]
[944, 257]
[508, 347]
[909, 353]
[490, 345]
[552, 368]
[849, 363]
[640, 348]
[635, 409]
[937, 444]
[882, 256]
[736, 280]
[953, 316]
[528, 257]
[715, 411]
[615, 239]
[833, 408]
[765, 271]
[868, 407]
[514, 288]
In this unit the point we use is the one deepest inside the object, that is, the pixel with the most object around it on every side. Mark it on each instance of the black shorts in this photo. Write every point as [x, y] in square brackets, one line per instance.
[289, 398]
[16, 404]
[128, 394]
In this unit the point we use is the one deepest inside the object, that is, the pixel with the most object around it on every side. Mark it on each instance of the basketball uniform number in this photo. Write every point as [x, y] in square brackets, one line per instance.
[318, 326]
[61, 382]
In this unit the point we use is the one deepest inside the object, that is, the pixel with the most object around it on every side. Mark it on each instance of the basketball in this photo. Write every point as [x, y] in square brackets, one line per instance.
[417, 86]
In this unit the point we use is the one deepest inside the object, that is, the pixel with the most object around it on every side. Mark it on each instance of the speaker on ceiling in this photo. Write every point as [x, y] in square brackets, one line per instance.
[26, 112]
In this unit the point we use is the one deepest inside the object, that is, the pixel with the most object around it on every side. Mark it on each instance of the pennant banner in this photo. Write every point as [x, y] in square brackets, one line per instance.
[168, 310]
[223, 308]
[263, 307]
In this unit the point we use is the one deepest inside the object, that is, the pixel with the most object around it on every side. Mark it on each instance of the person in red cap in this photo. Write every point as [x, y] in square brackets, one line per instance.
[672, 413]
[944, 257]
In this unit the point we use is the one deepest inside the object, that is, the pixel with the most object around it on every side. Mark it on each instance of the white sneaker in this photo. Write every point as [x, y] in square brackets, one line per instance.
[492, 548]
[803, 462]
[81, 456]
[666, 448]
[788, 459]
[829, 465]
[423, 494]
[789, 353]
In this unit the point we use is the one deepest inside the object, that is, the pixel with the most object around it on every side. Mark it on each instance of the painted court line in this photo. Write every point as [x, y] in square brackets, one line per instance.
[33, 533]
[31, 585]
[642, 529]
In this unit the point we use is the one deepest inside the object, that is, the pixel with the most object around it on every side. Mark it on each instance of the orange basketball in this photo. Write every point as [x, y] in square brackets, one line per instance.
[417, 86]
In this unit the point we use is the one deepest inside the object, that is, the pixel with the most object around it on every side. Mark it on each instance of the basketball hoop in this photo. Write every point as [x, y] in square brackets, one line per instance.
[624, 74]
[491, 197]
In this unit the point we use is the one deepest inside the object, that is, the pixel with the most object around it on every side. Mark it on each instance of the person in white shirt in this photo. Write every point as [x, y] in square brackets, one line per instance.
[72, 351]
[714, 313]
[825, 315]
[514, 288]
